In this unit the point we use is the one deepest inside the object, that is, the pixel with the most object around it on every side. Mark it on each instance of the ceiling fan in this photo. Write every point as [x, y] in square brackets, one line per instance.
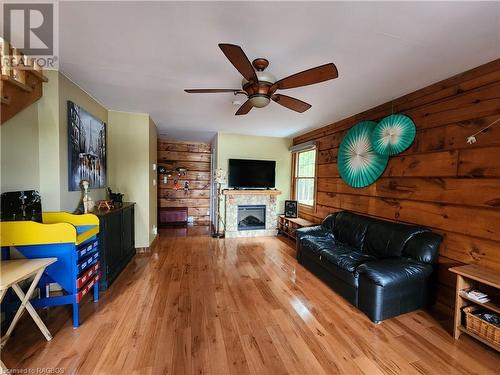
[260, 87]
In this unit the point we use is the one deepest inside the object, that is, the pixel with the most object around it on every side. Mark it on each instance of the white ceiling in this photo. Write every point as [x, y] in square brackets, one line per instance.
[138, 56]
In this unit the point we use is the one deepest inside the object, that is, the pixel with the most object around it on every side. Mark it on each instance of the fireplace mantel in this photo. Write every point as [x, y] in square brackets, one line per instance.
[251, 192]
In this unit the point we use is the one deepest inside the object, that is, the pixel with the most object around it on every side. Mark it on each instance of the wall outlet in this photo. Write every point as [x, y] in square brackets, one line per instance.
[154, 229]
[190, 219]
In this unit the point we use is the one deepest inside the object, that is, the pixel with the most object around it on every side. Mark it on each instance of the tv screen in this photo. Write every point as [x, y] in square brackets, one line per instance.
[251, 174]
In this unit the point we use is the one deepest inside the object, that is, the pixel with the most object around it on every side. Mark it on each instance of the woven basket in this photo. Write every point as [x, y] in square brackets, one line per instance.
[480, 327]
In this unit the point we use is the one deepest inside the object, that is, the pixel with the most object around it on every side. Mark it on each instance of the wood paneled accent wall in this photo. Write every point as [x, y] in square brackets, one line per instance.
[194, 156]
[440, 181]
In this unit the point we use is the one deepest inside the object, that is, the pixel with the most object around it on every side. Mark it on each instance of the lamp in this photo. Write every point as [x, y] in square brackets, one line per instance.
[219, 179]
[259, 100]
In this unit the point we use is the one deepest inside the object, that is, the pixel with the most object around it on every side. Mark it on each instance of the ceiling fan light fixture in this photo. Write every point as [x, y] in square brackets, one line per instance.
[259, 101]
[263, 77]
[260, 86]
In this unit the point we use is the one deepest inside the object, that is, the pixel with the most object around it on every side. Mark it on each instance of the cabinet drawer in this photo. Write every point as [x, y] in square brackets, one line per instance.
[87, 249]
[87, 275]
[87, 287]
[91, 260]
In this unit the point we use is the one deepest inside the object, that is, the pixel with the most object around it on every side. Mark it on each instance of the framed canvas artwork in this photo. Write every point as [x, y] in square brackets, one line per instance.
[86, 149]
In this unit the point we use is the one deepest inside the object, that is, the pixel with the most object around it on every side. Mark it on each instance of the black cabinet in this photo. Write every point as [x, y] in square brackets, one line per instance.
[117, 241]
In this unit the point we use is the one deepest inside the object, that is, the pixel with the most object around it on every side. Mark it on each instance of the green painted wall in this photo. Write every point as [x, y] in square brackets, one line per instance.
[129, 168]
[34, 153]
[237, 146]
[19, 152]
[153, 179]
[48, 143]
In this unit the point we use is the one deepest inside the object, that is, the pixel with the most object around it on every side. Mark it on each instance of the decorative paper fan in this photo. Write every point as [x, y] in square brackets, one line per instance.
[393, 135]
[359, 165]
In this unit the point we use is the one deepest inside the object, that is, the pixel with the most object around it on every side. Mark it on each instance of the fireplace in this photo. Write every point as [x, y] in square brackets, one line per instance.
[251, 217]
[261, 204]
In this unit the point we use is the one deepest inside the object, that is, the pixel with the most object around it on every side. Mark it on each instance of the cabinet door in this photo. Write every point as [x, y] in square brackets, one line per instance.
[128, 240]
[113, 241]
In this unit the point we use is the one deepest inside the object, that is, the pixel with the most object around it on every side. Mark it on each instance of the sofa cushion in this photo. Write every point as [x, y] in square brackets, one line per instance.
[394, 271]
[345, 257]
[385, 239]
[316, 244]
[351, 228]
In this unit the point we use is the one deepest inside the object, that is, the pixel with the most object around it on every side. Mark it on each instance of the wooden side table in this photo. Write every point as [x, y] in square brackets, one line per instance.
[12, 272]
[288, 225]
[473, 276]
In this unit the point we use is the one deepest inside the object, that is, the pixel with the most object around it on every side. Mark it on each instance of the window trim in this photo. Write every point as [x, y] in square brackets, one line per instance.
[305, 207]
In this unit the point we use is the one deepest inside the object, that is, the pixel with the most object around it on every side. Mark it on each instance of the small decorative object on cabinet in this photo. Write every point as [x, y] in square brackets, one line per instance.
[288, 226]
[104, 205]
[88, 203]
[117, 239]
[291, 209]
[467, 305]
[115, 197]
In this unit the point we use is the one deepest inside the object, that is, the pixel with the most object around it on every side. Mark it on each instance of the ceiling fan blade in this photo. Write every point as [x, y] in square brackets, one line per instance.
[209, 91]
[245, 108]
[308, 77]
[240, 61]
[291, 103]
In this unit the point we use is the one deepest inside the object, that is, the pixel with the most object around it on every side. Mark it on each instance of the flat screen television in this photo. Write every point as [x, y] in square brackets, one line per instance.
[251, 174]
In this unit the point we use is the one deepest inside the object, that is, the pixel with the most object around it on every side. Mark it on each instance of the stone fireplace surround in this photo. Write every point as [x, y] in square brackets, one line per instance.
[235, 198]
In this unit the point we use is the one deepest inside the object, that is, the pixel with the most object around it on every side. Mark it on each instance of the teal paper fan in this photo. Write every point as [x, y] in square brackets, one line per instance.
[393, 135]
[359, 165]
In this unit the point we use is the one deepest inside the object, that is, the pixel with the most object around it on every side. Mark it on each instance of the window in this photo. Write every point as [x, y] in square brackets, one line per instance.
[305, 169]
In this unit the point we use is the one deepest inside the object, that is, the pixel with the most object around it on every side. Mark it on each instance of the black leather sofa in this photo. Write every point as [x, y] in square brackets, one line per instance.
[383, 268]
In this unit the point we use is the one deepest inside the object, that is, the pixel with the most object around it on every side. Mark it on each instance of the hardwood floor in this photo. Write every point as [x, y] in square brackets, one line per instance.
[197, 305]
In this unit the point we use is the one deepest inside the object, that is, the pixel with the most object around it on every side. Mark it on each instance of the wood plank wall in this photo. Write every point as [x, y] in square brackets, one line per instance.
[194, 156]
[440, 181]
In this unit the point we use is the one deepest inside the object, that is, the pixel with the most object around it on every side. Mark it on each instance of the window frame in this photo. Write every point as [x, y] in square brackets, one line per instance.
[295, 162]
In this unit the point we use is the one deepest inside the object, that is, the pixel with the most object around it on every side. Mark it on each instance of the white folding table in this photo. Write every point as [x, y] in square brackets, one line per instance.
[12, 272]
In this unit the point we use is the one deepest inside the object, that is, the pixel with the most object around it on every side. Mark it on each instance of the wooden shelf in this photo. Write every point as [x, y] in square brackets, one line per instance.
[488, 305]
[20, 86]
[251, 192]
[288, 226]
[481, 274]
[479, 338]
[473, 276]
[12, 81]
[38, 75]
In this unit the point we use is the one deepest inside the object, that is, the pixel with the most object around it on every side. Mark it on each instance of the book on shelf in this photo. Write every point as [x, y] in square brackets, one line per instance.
[475, 295]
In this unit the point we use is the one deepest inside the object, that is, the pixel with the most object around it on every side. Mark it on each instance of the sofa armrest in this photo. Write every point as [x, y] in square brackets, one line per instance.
[315, 231]
[394, 271]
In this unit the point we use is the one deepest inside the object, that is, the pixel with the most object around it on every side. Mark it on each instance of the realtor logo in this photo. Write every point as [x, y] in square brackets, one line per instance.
[30, 27]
